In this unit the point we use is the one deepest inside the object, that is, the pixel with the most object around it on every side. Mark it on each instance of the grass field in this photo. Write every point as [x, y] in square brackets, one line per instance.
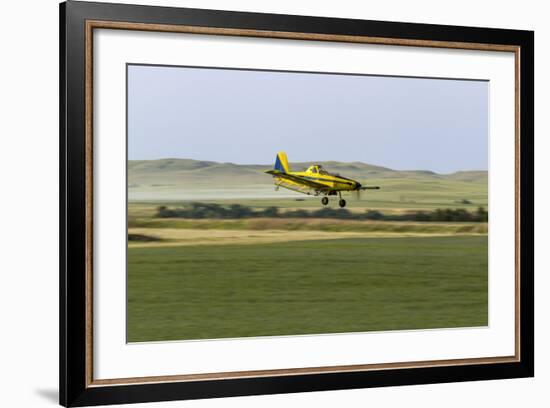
[200, 278]
[311, 224]
[306, 287]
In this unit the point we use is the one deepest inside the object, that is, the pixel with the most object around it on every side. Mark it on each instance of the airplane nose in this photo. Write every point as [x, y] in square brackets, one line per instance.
[357, 185]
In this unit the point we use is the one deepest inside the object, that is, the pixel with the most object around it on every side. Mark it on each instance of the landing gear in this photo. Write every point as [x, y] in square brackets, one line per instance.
[342, 202]
[324, 200]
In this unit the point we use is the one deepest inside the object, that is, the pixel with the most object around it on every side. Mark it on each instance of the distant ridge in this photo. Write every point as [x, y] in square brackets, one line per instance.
[357, 168]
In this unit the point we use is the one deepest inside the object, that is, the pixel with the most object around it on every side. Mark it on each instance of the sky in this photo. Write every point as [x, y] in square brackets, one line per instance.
[246, 117]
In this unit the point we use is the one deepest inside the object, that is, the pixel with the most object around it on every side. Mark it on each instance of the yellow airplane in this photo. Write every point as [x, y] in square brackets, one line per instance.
[314, 181]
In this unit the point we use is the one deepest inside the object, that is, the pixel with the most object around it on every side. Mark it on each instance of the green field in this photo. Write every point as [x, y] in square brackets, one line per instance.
[306, 287]
[211, 277]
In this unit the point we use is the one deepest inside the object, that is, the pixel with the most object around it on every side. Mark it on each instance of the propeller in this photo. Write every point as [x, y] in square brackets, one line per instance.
[357, 191]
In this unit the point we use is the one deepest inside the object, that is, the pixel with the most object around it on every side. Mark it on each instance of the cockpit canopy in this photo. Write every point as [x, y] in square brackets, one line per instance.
[317, 169]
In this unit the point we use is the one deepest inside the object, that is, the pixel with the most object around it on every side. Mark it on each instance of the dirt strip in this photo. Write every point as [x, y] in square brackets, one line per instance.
[186, 237]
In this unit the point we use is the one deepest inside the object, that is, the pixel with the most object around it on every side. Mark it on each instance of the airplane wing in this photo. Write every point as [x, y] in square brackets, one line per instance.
[298, 179]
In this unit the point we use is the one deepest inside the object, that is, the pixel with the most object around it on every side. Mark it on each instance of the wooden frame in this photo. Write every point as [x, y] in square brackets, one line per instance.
[77, 22]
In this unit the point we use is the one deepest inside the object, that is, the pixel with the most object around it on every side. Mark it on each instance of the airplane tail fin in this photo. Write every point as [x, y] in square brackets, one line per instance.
[281, 163]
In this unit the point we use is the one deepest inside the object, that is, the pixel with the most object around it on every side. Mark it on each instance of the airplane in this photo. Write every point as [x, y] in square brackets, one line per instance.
[314, 181]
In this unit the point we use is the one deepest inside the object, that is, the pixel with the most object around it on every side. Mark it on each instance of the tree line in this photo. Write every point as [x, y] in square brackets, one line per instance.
[199, 210]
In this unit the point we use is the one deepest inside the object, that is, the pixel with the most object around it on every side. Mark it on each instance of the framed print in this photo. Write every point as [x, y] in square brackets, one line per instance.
[256, 203]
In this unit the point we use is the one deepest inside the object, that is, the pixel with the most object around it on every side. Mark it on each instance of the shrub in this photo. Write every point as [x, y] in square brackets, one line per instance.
[142, 238]
[198, 210]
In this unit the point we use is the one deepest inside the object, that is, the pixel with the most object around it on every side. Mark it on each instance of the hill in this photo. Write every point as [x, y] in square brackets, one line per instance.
[188, 179]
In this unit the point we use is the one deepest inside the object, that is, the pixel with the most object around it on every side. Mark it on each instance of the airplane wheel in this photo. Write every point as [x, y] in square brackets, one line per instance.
[324, 200]
[342, 203]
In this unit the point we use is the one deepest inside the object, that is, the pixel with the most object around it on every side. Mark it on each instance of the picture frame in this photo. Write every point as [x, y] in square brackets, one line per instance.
[78, 22]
